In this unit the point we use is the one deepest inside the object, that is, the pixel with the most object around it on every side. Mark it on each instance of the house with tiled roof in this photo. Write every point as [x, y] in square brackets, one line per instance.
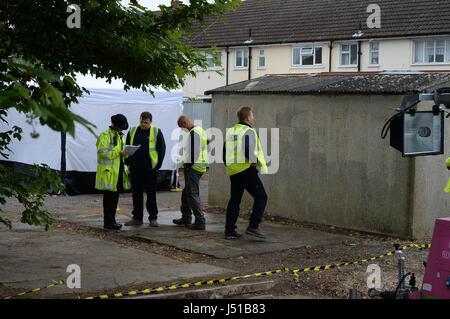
[265, 37]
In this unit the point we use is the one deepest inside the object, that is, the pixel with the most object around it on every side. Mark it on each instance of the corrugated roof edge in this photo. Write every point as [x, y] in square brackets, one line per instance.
[376, 83]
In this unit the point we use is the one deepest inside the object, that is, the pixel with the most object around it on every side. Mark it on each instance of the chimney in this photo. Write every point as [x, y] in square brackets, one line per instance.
[176, 3]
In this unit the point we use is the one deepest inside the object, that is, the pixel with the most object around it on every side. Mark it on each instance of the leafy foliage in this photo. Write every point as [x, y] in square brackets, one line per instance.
[40, 57]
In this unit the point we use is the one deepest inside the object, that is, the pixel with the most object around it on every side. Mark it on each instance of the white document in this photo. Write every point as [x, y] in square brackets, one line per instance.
[131, 148]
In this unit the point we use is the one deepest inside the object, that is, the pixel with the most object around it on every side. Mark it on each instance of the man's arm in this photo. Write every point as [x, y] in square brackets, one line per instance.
[250, 146]
[224, 149]
[127, 159]
[106, 150]
[194, 147]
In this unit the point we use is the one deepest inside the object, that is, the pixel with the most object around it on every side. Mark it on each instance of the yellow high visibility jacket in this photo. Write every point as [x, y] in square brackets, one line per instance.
[108, 161]
[447, 188]
[201, 162]
[151, 143]
[235, 152]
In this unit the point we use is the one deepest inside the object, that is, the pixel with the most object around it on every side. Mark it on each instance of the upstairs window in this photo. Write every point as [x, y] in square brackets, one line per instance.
[262, 59]
[214, 64]
[308, 55]
[431, 51]
[241, 59]
[349, 54]
[374, 53]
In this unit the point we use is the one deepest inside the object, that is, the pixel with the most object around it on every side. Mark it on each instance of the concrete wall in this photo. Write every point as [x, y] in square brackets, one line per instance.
[334, 167]
[430, 177]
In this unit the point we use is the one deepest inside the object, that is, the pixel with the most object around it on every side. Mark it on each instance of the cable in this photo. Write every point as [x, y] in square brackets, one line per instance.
[399, 284]
[387, 125]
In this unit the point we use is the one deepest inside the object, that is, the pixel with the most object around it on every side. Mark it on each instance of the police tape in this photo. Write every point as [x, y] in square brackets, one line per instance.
[266, 273]
[296, 272]
[56, 283]
[187, 285]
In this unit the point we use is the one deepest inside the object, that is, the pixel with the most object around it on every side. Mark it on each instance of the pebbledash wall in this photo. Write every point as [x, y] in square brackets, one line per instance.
[334, 167]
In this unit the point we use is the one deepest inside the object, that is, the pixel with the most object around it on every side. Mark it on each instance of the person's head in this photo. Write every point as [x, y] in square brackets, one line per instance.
[185, 122]
[245, 115]
[119, 122]
[145, 120]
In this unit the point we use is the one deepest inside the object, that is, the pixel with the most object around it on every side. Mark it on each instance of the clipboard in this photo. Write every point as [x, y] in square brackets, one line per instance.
[131, 149]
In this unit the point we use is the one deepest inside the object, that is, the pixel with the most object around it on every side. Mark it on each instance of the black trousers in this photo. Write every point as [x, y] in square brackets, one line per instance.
[110, 201]
[246, 180]
[144, 180]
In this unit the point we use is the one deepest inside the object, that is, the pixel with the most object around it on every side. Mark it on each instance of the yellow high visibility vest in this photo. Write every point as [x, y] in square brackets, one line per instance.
[108, 161]
[200, 163]
[235, 152]
[151, 143]
[447, 188]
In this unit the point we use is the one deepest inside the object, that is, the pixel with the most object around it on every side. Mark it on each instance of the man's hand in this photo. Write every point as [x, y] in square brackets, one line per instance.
[254, 164]
[123, 153]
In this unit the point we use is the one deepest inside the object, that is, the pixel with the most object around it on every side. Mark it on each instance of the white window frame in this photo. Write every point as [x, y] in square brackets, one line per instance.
[424, 51]
[349, 52]
[244, 52]
[372, 51]
[211, 68]
[261, 67]
[215, 66]
[313, 46]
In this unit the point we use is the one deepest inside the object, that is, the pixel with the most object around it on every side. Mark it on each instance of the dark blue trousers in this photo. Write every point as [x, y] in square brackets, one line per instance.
[144, 179]
[246, 180]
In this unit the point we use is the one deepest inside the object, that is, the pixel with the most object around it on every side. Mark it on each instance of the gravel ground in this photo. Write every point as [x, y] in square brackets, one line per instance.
[331, 283]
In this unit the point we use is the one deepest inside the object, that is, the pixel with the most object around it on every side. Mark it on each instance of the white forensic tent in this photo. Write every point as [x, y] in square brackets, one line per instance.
[97, 108]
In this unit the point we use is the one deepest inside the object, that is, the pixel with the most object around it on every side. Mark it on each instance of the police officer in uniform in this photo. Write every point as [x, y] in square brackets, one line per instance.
[111, 176]
[242, 155]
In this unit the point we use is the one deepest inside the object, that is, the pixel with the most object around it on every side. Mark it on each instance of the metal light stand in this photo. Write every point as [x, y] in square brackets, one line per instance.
[403, 291]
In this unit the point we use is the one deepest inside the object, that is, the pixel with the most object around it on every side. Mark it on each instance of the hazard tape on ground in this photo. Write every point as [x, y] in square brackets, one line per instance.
[267, 273]
[296, 272]
[56, 283]
[187, 285]
[223, 280]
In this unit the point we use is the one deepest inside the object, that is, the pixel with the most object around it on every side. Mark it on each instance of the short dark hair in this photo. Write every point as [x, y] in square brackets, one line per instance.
[243, 113]
[146, 115]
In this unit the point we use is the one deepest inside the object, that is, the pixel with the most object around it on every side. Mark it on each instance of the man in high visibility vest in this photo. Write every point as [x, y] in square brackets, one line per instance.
[144, 165]
[111, 176]
[194, 164]
[242, 155]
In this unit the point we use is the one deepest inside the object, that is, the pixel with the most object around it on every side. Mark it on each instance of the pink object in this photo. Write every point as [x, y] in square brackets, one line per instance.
[436, 281]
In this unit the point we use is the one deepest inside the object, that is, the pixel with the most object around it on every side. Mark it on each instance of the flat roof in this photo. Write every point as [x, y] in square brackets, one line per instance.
[340, 83]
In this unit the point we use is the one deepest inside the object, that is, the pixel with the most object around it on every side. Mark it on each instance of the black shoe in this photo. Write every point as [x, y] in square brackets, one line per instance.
[233, 235]
[113, 226]
[182, 222]
[254, 232]
[196, 226]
